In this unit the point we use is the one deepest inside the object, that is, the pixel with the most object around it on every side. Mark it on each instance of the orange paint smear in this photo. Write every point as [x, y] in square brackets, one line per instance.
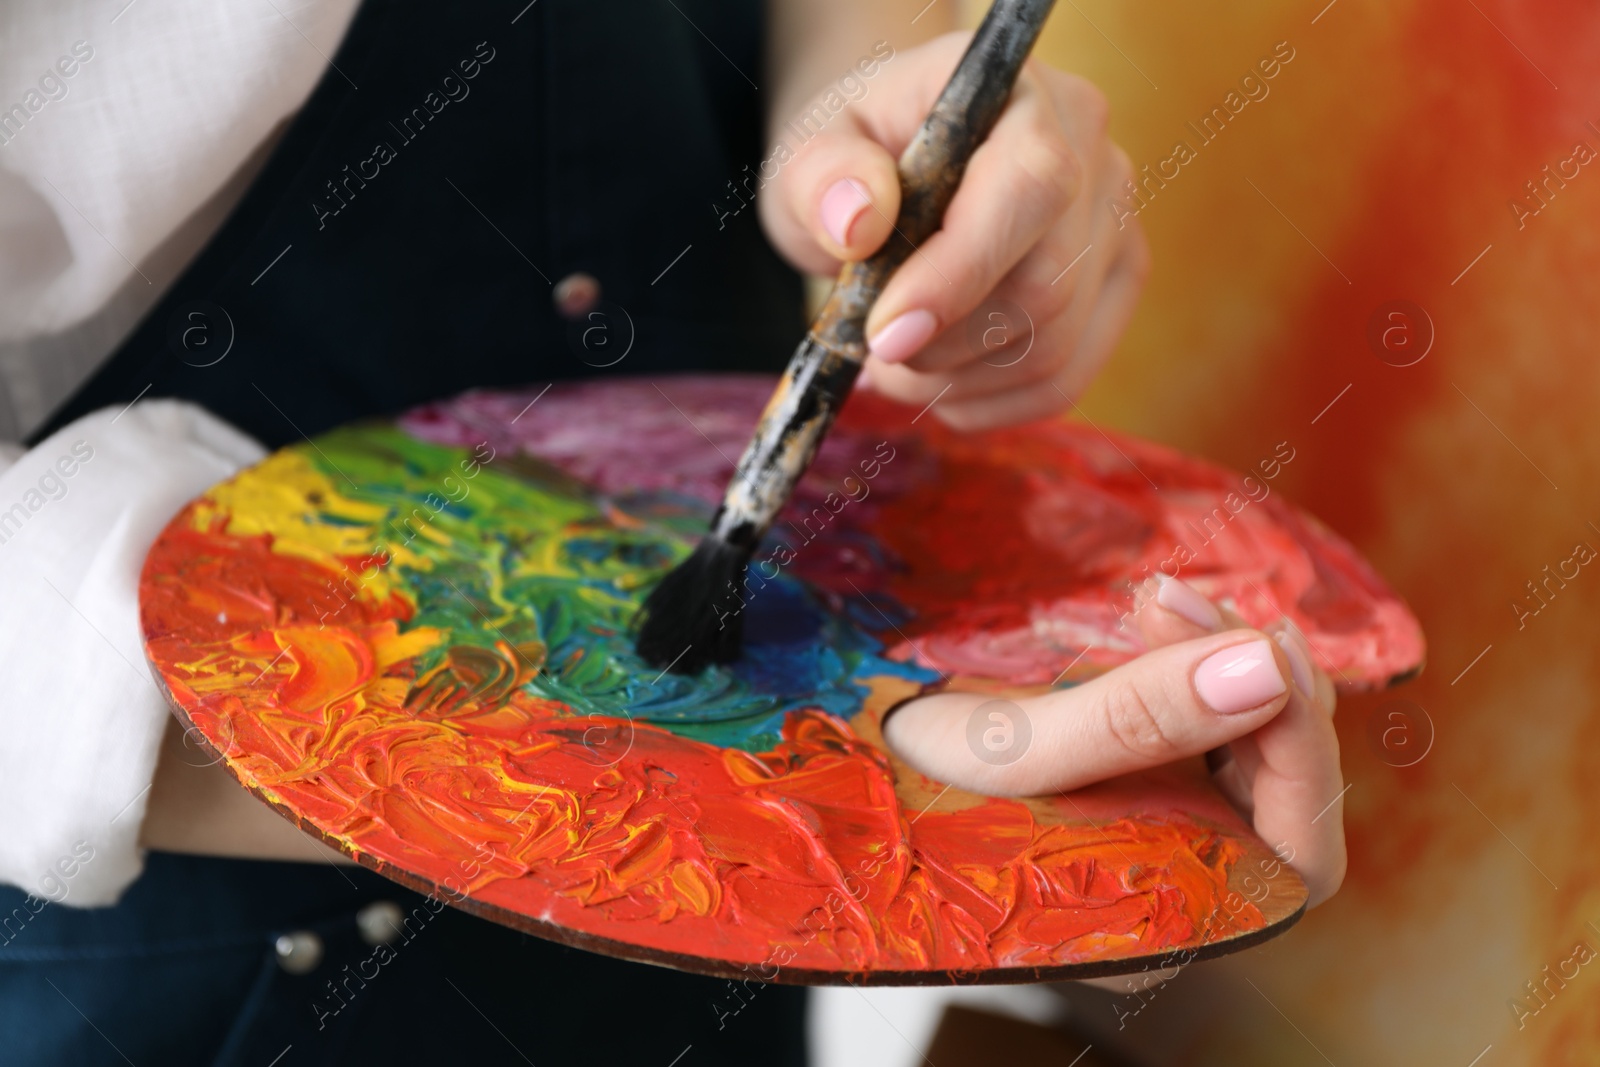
[800, 856]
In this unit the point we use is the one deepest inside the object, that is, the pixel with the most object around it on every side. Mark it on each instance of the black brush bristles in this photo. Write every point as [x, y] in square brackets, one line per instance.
[691, 620]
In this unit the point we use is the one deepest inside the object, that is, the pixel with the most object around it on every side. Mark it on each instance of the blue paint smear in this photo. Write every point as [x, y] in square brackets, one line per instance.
[577, 625]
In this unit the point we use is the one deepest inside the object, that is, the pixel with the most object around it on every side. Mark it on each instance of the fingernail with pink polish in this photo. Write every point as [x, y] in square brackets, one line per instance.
[1239, 678]
[904, 336]
[1299, 663]
[1183, 600]
[842, 204]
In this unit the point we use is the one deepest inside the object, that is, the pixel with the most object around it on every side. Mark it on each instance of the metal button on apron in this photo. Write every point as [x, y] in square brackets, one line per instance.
[298, 952]
[379, 922]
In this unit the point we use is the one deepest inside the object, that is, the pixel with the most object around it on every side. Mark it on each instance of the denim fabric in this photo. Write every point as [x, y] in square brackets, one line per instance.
[183, 971]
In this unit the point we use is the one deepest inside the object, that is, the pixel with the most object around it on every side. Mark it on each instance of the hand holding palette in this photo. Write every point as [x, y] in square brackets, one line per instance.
[412, 638]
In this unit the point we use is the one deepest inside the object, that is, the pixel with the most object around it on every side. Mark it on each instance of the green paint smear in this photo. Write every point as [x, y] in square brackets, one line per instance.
[515, 550]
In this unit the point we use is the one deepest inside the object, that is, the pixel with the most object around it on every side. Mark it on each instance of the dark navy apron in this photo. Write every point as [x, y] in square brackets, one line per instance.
[475, 195]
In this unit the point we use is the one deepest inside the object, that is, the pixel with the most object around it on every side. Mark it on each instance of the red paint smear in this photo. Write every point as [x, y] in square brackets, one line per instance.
[1040, 529]
[801, 856]
[225, 584]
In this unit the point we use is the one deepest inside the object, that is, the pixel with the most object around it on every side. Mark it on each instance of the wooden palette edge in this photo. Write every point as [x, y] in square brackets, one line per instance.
[711, 967]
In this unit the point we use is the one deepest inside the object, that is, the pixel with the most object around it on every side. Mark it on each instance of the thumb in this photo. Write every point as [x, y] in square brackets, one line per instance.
[1169, 704]
[835, 200]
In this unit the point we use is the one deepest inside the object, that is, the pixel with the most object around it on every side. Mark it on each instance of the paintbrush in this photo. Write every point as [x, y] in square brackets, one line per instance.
[685, 623]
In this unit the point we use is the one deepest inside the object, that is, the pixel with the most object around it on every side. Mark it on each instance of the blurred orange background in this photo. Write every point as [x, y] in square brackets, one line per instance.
[1382, 166]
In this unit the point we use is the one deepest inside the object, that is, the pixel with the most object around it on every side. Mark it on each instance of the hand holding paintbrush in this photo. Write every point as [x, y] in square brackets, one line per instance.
[680, 627]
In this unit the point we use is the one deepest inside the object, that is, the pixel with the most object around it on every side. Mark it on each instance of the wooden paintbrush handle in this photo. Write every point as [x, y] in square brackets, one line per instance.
[933, 163]
[825, 365]
[682, 628]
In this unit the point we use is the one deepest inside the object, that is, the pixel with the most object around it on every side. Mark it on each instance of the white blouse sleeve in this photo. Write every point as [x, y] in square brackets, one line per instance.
[117, 120]
[81, 719]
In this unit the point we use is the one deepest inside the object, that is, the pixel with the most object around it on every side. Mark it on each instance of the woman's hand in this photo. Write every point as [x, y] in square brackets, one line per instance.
[1009, 310]
[1253, 702]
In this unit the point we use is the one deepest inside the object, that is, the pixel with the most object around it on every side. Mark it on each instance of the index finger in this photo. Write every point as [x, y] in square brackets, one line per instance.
[1020, 181]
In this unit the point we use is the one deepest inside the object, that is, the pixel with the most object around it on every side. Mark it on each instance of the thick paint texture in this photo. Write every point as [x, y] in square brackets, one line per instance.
[1010, 556]
[414, 638]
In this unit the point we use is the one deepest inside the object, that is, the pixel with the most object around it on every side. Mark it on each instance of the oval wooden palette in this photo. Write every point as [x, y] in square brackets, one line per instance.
[411, 638]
